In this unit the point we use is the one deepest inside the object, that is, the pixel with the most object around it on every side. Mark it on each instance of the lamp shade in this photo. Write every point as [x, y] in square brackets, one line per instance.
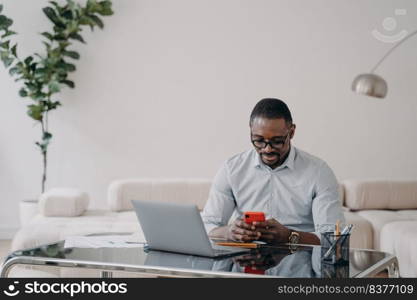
[371, 85]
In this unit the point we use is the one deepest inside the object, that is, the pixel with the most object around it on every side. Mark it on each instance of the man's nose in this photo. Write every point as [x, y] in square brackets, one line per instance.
[268, 148]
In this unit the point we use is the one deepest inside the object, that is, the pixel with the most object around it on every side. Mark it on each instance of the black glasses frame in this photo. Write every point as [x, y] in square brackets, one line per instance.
[261, 144]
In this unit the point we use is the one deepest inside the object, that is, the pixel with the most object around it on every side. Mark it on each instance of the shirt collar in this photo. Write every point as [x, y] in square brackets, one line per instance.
[289, 162]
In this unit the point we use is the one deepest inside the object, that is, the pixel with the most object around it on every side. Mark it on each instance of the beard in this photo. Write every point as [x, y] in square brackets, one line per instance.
[270, 159]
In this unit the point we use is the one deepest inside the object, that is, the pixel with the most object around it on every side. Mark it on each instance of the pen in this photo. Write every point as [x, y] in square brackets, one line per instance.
[345, 232]
[337, 230]
[243, 245]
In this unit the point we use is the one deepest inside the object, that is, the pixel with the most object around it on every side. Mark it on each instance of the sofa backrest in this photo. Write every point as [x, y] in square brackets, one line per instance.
[193, 191]
[380, 194]
[122, 192]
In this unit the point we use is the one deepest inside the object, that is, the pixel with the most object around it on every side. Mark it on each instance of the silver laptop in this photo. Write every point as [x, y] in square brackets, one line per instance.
[178, 228]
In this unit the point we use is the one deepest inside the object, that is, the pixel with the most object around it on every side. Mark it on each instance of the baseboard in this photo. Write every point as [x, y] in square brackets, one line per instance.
[7, 233]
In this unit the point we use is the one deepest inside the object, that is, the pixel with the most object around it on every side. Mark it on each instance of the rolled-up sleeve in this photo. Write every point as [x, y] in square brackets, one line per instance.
[221, 202]
[326, 207]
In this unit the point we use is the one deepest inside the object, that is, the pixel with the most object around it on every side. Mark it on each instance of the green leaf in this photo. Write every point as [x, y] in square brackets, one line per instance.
[97, 21]
[13, 50]
[66, 66]
[1, 8]
[60, 37]
[33, 67]
[51, 14]
[72, 54]
[67, 14]
[46, 136]
[86, 20]
[13, 71]
[5, 22]
[7, 60]
[28, 60]
[5, 45]
[69, 83]
[50, 105]
[8, 33]
[31, 86]
[40, 72]
[106, 9]
[64, 44]
[93, 6]
[54, 87]
[54, 3]
[23, 92]
[41, 146]
[48, 35]
[77, 37]
[47, 45]
[35, 112]
[38, 95]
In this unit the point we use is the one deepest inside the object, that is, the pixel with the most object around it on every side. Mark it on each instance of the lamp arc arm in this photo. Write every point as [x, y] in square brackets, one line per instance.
[392, 49]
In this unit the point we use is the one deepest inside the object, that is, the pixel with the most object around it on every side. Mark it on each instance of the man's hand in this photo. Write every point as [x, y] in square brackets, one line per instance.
[260, 260]
[272, 231]
[242, 232]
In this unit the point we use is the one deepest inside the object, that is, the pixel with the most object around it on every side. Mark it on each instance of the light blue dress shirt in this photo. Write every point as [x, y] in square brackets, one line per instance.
[301, 193]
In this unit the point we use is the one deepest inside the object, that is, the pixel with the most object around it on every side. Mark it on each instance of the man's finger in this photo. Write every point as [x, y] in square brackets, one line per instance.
[244, 232]
[243, 224]
[237, 237]
[242, 238]
[261, 224]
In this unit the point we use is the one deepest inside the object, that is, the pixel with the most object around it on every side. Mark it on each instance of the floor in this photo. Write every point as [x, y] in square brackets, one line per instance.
[4, 249]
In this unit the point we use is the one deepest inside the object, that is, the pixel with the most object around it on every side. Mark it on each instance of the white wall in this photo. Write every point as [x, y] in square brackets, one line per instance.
[167, 88]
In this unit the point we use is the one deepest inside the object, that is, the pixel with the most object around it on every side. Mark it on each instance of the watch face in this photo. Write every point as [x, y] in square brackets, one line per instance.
[294, 238]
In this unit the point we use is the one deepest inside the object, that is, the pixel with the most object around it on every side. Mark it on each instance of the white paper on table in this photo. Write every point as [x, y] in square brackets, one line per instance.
[102, 241]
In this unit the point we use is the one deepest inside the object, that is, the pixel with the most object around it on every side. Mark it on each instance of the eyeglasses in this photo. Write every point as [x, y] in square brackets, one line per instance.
[275, 143]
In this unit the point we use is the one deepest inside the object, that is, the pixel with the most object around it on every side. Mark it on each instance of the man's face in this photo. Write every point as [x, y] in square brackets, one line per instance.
[277, 133]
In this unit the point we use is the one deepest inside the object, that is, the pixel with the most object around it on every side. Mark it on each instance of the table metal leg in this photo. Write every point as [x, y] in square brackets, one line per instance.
[393, 270]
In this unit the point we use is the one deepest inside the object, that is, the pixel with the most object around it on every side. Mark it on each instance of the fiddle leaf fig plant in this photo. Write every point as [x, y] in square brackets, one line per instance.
[43, 75]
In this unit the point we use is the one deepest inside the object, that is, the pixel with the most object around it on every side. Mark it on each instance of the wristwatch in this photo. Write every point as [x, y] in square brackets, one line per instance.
[294, 237]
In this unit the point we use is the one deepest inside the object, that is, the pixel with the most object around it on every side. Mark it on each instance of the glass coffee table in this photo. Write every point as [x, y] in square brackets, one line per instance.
[288, 261]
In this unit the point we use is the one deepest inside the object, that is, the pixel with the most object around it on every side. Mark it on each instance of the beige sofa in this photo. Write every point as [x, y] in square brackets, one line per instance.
[387, 212]
[384, 214]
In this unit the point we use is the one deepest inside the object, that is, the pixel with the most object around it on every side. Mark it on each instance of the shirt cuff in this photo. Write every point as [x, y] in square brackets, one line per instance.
[209, 227]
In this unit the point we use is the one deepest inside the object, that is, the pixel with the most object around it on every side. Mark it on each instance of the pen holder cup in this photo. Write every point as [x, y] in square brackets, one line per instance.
[334, 270]
[335, 248]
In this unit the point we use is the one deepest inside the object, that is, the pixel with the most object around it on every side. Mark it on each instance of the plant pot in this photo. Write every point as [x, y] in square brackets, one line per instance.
[27, 210]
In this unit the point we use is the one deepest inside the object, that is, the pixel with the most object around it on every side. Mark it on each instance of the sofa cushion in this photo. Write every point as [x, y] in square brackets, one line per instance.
[400, 239]
[192, 191]
[380, 194]
[63, 202]
[379, 218]
[42, 230]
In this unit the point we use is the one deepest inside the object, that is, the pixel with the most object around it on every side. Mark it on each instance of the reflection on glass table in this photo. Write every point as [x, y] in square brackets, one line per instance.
[268, 261]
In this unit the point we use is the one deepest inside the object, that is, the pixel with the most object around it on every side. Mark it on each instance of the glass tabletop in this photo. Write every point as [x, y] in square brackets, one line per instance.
[278, 261]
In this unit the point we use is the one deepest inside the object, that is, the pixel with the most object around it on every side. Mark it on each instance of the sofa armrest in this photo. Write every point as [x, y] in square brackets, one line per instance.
[63, 202]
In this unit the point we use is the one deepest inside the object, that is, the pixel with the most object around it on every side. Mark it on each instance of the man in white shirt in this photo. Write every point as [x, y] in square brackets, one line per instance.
[295, 190]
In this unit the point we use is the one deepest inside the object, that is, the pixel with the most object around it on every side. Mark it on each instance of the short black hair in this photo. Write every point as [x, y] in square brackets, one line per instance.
[271, 108]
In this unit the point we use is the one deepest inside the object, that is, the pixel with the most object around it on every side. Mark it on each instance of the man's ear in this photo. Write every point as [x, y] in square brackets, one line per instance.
[293, 126]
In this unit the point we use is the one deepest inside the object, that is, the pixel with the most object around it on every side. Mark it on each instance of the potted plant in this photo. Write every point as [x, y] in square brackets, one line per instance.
[43, 75]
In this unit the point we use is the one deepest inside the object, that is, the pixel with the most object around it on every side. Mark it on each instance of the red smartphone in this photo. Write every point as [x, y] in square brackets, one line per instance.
[250, 270]
[254, 216]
